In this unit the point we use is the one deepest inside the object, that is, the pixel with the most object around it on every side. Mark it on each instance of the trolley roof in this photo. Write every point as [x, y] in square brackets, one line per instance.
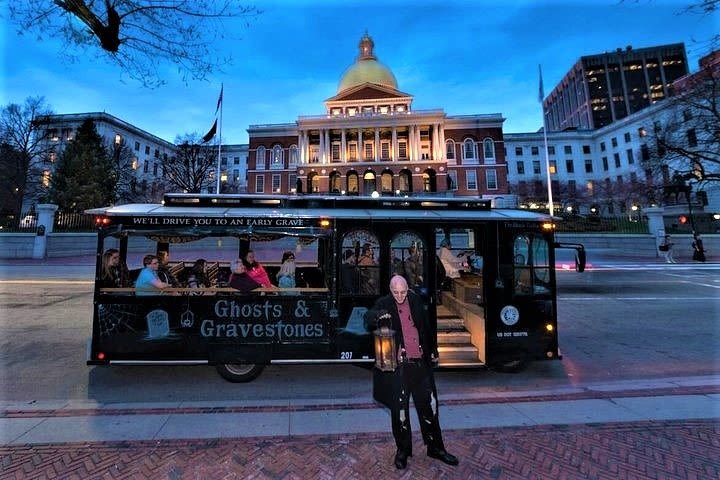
[313, 206]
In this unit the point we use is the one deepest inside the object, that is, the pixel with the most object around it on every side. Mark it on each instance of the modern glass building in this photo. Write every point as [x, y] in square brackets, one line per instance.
[601, 89]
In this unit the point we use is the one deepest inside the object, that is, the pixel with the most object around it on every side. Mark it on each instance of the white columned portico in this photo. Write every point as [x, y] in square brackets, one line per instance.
[377, 145]
[326, 150]
[303, 144]
[411, 142]
[393, 145]
[441, 146]
[416, 142]
[321, 146]
[435, 142]
[343, 146]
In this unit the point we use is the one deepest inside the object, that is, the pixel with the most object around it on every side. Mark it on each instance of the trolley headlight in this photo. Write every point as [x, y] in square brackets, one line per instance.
[549, 328]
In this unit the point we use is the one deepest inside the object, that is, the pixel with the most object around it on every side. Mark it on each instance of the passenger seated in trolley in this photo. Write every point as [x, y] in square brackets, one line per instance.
[286, 274]
[256, 271]
[453, 263]
[240, 280]
[148, 282]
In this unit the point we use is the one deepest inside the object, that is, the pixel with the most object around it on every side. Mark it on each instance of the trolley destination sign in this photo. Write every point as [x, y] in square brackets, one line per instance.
[208, 221]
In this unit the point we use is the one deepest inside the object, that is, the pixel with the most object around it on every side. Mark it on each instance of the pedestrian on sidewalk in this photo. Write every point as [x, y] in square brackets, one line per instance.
[667, 248]
[416, 353]
[698, 248]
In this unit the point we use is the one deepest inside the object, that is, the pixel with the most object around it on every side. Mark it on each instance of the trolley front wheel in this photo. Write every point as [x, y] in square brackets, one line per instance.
[239, 372]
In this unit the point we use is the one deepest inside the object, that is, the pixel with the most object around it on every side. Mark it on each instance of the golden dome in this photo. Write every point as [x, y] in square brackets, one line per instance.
[367, 69]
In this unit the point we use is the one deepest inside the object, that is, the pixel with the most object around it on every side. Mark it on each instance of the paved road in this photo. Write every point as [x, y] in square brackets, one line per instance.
[584, 417]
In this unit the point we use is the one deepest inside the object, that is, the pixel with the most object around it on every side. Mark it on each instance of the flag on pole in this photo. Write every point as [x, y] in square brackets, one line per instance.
[541, 96]
[209, 136]
[220, 98]
[213, 130]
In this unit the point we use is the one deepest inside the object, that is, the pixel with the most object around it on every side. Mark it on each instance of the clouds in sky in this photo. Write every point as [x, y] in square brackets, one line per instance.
[465, 57]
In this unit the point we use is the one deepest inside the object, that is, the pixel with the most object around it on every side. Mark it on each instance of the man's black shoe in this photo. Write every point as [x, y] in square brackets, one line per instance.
[401, 459]
[443, 456]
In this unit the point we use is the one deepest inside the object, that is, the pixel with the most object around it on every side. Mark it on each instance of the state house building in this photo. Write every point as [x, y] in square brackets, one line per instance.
[371, 140]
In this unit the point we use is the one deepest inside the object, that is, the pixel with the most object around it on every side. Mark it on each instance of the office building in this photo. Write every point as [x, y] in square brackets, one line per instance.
[604, 88]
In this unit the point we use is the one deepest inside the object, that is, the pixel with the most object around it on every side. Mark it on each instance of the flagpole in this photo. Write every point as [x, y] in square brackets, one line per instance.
[217, 176]
[547, 155]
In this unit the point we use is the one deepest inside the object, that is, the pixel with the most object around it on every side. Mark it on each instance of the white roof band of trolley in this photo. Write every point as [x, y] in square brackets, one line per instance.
[308, 206]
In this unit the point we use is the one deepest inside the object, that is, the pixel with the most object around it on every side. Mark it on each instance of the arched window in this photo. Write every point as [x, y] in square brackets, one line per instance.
[469, 149]
[405, 181]
[294, 156]
[313, 182]
[353, 182]
[386, 182]
[335, 182]
[277, 157]
[429, 180]
[260, 158]
[450, 150]
[368, 182]
[489, 150]
[360, 271]
[408, 258]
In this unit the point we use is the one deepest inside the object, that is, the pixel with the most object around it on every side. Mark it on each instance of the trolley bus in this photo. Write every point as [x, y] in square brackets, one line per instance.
[499, 310]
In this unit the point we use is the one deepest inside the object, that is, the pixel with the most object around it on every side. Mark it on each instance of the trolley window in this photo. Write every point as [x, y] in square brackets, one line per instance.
[531, 265]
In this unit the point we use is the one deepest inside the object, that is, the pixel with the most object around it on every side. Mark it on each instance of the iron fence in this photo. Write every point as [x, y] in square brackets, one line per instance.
[595, 223]
[64, 222]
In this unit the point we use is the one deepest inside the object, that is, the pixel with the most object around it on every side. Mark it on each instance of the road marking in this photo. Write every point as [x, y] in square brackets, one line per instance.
[700, 284]
[642, 299]
[642, 267]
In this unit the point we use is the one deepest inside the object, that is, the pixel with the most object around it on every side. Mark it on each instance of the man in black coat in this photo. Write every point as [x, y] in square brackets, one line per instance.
[417, 352]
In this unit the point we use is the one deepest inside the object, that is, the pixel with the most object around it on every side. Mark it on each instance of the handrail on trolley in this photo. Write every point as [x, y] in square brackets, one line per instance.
[213, 290]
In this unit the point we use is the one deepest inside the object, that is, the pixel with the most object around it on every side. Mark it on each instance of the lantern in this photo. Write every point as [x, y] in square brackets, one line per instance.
[385, 352]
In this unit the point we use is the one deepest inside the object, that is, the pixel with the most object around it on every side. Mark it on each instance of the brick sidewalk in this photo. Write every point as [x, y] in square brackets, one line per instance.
[684, 449]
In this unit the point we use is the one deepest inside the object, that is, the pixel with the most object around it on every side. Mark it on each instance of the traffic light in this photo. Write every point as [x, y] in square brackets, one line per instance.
[682, 219]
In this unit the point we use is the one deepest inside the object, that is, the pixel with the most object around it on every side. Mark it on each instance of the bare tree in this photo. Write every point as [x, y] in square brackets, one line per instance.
[125, 166]
[25, 138]
[193, 167]
[137, 35]
[685, 141]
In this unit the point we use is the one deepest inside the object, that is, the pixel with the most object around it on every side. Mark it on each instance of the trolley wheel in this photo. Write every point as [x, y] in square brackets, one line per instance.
[239, 372]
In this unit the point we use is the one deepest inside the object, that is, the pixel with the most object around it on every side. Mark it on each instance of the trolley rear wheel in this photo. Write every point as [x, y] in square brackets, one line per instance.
[239, 372]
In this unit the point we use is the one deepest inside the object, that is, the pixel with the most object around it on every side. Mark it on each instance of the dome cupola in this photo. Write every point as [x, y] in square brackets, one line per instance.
[367, 69]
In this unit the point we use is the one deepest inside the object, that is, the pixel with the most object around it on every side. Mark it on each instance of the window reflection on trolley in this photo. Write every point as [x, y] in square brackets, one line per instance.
[497, 310]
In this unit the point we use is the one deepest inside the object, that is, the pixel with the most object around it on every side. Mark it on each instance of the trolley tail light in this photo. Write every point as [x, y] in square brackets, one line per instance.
[102, 221]
[101, 356]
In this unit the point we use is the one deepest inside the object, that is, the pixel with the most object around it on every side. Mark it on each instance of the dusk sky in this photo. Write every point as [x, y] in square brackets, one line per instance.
[465, 57]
